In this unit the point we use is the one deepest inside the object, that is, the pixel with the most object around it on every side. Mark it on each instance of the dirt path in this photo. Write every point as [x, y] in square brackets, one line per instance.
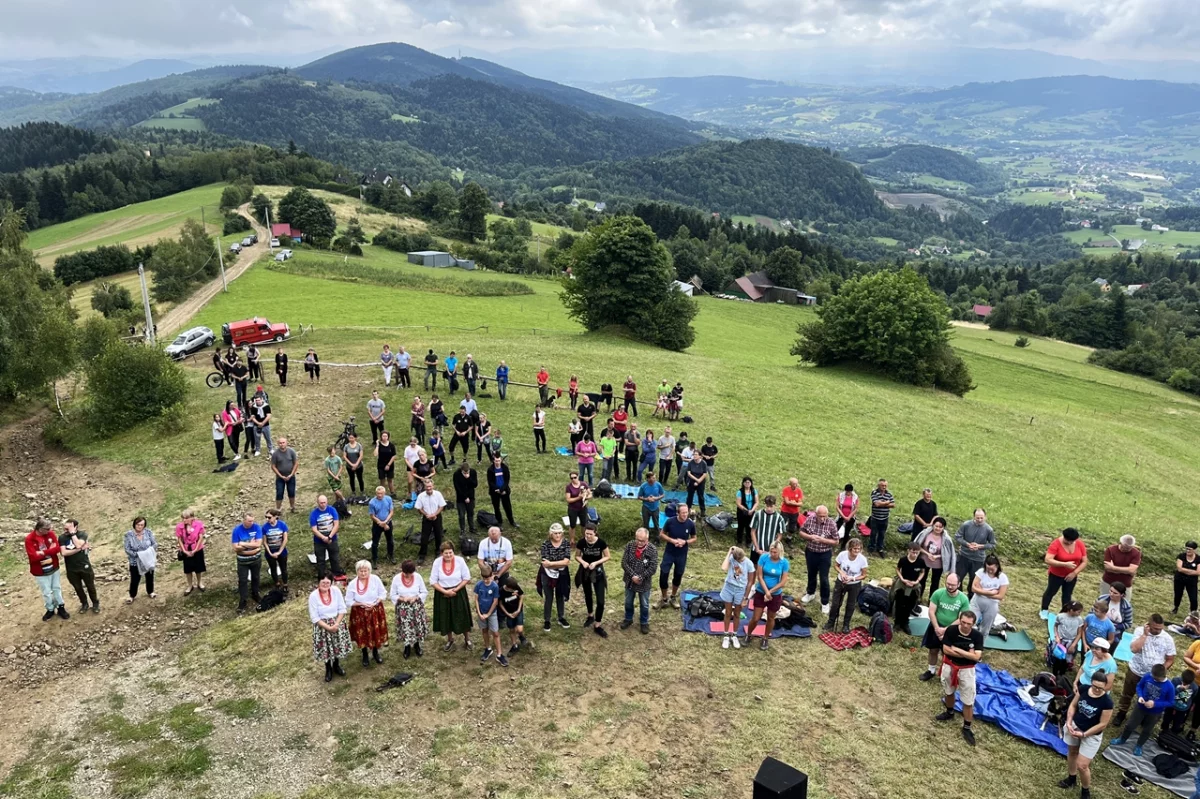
[177, 317]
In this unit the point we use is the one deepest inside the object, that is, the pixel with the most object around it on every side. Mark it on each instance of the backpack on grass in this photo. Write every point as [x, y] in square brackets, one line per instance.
[468, 546]
[486, 520]
[880, 628]
[1177, 745]
[873, 599]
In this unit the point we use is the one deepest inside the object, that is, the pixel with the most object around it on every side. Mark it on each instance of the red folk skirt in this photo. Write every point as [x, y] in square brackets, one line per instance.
[368, 626]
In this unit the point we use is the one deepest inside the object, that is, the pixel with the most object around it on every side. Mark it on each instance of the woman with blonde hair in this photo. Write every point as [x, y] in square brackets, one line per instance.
[368, 619]
[735, 593]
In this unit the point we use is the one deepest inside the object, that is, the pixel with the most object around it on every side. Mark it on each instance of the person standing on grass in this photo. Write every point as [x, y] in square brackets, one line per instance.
[697, 475]
[1187, 572]
[1097, 661]
[312, 366]
[496, 552]
[465, 482]
[937, 552]
[633, 448]
[649, 449]
[333, 470]
[275, 541]
[417, 412]
[260, 420]
[1175, 716]
[451, 374]
[462, 429]
[411, 454]
[586, 451]
[42, 549]
[437, 449]
[403, 362]
[771, 576]
[851, 573]
[324, 522]
[620, 420]
[573, 392]
[539, 430]
[487, 609]
[139, 539]
[882, 503]
[331, 636]
[651, 494]
[677, 535]
[468, 404]
[639, 561]
[747, 506]
[683, 454]
[1066, 558]
[375, 409]
[500, 489]
[974, 540]
[962, 649]
[766, 528]
[285, 463]
[591, 555]
[577, 496]
[353, 454]
[666, 451]
[430, 504]
[608, 454]
[847, 508]
[382, 510]
[1087, 718]
[385, 461]
[471, 374]
[989, 589]
[1121, 562]
[792, 503]
[234, 423]
[75, 548]
[735, 593]
[555, 575]
[709, 452]
[945, 605]
[1152, 646]
[365, 595]
[820, 535]
[482, 433]
[218, 436]
[408, 594]
[451, 608]
[241, 378]
[924, 512]
[247, 541]
[189, 535]
[906, 589]
[431, 362]
[387, 361]
[1155, 693]
[1120, 611]
[502, 380]
[543, 384]
[281, 365]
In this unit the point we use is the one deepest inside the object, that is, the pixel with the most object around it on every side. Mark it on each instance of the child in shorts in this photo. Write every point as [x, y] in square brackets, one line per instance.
[739, 583]
[487, 600]
[512, 605]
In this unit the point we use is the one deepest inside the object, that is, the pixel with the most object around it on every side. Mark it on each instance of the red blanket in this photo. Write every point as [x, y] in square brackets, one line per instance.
[843, 641]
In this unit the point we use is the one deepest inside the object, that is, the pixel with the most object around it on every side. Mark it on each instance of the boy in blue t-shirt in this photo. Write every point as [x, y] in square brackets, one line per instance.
[487, 603]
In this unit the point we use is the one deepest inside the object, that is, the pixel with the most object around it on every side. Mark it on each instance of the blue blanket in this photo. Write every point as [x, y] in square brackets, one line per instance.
[996, 702]
[710, 626]
[625, 491]
[562, 450]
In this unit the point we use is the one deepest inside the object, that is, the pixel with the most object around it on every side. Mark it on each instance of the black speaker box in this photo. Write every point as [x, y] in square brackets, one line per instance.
[777, 780]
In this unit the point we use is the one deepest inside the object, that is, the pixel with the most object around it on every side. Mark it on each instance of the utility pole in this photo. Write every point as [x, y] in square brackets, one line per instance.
[149, 330]
[270, 235]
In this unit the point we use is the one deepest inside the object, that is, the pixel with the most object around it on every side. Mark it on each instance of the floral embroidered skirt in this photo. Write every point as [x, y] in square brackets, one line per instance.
[412, 623]
[368, 626]
[331, 645]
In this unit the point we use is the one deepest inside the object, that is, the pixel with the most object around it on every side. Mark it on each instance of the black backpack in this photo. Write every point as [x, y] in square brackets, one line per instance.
[720, 521]
[468, 546]
[486, 520]
[703, 606]
[880, 628]
[872, 600]
[270, 600]
[1177, 745]
[604, 490]
[1170, 766]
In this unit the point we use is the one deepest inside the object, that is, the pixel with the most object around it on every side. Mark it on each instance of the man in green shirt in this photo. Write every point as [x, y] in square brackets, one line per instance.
[608, 451]
[944, 607]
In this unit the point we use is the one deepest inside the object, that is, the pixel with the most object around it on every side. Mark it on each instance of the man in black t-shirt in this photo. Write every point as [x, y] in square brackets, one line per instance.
[924, 512]
[512, 613]
[431, 360]
[592, 555]
[962, 648]
[463, 428]
[906, 591]
[708, 451]
[241, 377]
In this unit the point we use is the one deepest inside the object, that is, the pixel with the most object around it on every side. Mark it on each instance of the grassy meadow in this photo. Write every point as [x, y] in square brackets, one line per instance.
[1046, 440]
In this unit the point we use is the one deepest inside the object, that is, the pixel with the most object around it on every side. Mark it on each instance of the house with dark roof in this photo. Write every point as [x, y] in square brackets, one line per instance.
[760, 288]
[376, 176]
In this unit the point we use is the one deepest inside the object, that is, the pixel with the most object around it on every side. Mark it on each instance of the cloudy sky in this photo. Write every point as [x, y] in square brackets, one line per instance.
[1101, 29]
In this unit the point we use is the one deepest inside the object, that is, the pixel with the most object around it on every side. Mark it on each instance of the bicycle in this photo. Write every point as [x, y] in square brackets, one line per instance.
[348, 429]
[215, 379]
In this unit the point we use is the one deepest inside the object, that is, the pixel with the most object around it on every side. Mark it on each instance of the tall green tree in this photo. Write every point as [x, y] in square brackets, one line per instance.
[890, 321]
[111, 299]
[181, 265]
[473, 206]
[301, 209]
[621, 275]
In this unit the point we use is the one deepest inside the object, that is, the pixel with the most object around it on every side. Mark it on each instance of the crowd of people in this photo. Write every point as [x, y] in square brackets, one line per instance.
[957, 574]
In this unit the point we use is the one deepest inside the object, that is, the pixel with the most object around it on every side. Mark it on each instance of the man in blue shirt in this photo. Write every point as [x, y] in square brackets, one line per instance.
[381, 509]
[452, 371]
[324, 523]
[247, 540]
[676, 534]
[502, 379]
[651, 494]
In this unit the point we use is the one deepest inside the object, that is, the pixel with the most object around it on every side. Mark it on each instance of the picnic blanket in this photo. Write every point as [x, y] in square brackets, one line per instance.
[1018, 641]
[1143, 766]
[563, 450]
[997, 702]
[840, 642]
[624, 491]
[1123, 654]
[710, 626]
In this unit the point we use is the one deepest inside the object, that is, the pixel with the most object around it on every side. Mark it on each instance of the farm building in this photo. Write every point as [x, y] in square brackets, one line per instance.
[759, 288]
[280, 229]
[1135, 244]
[438, 259]
[982, 311]
[686, 288]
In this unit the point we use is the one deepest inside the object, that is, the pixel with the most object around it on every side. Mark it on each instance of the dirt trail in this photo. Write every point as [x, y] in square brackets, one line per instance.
[174, 320]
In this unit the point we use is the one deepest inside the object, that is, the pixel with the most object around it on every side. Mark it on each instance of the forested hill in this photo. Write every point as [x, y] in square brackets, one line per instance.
[900, 161]
[41, 144]
[466, 123]
[760, 176]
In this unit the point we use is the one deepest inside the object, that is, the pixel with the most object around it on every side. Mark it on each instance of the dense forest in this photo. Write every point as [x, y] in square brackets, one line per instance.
[902, 161]
[41, 144]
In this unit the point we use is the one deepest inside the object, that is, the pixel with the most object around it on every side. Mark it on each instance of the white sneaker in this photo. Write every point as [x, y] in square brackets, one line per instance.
[825, 609]
[806, 599]
[256, 453]
[237, 457]
[736, 643]
[725, 642]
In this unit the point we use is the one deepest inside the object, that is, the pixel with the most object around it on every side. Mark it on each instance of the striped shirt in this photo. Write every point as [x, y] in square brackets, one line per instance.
[881, 513]
[768, 528]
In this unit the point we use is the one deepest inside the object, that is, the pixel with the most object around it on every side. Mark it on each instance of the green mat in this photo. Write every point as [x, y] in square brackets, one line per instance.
[1017, 642]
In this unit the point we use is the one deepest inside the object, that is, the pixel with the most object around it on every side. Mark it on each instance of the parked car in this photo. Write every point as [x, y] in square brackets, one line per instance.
[283, 255]
[190, 341]
[253, 331]
[246, 242]
[254, 238]
[274, 242]
[235, 247]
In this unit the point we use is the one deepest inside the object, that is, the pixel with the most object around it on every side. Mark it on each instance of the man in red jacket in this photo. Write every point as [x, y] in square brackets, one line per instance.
[41, 546]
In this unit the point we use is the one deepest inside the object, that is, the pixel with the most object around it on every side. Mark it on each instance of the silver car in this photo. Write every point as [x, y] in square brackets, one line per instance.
[190, 341]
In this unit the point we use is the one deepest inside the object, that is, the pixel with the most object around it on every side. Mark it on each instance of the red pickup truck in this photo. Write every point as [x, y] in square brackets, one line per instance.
[253, 331]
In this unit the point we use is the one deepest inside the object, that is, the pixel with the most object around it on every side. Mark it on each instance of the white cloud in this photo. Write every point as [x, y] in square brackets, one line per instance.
[231, 15]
